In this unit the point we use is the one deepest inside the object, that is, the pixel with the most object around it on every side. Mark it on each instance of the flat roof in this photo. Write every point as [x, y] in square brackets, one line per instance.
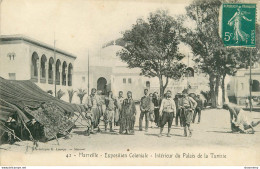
[9, 38]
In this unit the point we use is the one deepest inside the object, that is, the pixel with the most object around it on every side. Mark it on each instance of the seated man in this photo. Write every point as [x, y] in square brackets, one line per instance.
[239, 119]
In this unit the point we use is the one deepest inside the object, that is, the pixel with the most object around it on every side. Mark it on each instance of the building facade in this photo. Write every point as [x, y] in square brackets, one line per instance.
[23, 58]
[108, 72]
[238, 88]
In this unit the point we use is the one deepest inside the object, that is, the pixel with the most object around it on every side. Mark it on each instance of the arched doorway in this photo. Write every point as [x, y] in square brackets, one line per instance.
[64, 71]
[58, 64]
[102, 85]
[50, 71]
[34, 67]
[70, 74]
[43, 68]
[189, 72]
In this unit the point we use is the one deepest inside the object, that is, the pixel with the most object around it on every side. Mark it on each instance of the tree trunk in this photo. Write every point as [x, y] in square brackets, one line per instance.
[217, 89]
[223, 89]
[212, 91]
[166, 84]
[81, 100]
[161, 86]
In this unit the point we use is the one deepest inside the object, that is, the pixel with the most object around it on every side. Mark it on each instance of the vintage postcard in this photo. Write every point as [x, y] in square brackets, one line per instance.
[129, 83]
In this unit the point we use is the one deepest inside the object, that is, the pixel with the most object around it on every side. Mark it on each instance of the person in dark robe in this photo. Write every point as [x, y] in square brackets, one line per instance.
[156, 102]
[178, 110]
[118, 110]
[128, 115]
[198, 109]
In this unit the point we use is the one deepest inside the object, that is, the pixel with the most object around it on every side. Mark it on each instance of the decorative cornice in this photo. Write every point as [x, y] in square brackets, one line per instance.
[13, 38]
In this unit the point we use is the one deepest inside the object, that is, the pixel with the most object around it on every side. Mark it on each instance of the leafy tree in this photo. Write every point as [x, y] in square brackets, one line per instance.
[152, 46]
[71, 93]
[211, 55]
[81, 93]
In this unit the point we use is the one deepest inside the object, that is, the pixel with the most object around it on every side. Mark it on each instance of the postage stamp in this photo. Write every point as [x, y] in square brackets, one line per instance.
[238, 24]
[129, 83]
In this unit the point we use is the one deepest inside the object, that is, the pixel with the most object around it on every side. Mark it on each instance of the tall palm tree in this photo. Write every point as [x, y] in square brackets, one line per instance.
[71, 93]
[81, 94]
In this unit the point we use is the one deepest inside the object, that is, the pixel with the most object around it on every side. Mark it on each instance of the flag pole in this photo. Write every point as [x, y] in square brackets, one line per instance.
[250, 81]
[88, 72]
[54, 50]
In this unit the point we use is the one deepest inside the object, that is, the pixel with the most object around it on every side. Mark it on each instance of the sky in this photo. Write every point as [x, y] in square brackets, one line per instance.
[79, 26]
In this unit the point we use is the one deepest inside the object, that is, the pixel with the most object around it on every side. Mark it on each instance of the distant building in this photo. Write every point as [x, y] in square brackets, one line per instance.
[108, 72]
[238, 88]
[24, 58]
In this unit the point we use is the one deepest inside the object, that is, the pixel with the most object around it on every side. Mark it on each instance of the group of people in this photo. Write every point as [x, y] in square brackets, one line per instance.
[157, 111]
[118, 112]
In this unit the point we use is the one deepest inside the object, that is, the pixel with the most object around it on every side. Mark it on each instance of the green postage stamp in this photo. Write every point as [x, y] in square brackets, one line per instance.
[238, 24]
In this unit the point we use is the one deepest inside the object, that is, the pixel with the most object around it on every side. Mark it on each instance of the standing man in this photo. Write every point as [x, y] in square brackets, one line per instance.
[156, 102]
[187, 105]
[167, 112]
[119, 101]
[198, 108]
[247, 102]
[144, 107]
[109, 114]
[128, 114]
[92, 105]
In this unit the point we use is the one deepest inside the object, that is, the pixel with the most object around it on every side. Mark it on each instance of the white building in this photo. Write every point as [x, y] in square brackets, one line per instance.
[24, 58]
[238, 88]
[108, 72]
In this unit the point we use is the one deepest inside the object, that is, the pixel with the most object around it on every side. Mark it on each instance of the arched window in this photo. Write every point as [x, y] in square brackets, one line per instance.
[58, 64]
[147, 84]
[70, 74]
[64, 71]
[43, 68]
[34, 67]
[255, 86]
[50, 70]
[129, 80]
[228, 87]
[189, 72]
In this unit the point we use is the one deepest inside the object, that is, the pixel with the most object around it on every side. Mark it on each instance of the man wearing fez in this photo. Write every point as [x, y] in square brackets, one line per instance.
[167, 112]
[187, 105]
[92, 106]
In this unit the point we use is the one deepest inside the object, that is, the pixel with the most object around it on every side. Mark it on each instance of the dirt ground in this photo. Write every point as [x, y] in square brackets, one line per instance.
[214, 130]
[211, 144]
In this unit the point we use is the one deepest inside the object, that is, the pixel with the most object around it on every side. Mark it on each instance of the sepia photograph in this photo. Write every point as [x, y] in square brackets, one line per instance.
[129, 83]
